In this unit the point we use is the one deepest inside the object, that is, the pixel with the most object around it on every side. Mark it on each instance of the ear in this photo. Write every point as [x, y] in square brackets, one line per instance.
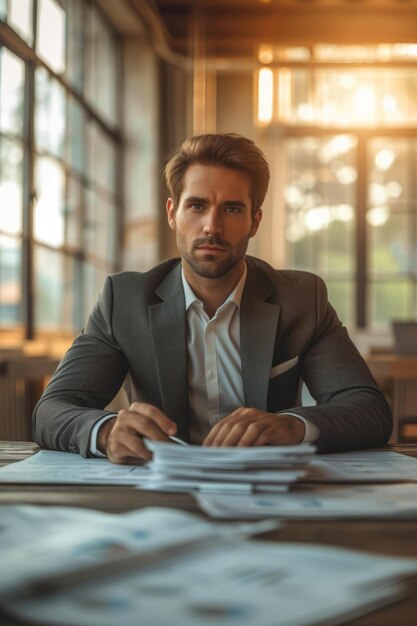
[171, 213]
[255, 223]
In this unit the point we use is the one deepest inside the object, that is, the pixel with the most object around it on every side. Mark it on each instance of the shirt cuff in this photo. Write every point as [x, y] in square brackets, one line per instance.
[92, 449]
[311, 433]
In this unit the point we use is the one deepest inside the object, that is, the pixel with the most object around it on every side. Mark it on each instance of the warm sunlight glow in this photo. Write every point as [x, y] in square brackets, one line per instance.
[364, 104]
[265, 95]
[318, 218]
[11, 203]
[377, 216]
[384, 158]
[265, 53]
[49, 217]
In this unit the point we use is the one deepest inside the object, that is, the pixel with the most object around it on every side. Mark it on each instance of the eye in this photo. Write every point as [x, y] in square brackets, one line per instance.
[234, 210]
[197, 206]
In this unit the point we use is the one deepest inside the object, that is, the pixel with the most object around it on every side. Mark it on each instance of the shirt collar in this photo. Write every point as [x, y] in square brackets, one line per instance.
[234, 296]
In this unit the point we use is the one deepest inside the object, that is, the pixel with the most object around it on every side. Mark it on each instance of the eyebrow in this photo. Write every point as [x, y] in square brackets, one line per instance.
[195, 199]
[205, 201]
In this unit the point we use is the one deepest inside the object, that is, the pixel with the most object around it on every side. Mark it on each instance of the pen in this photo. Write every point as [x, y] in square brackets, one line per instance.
[178, 440]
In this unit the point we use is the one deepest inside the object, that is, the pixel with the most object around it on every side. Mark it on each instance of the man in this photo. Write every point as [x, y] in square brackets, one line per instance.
[213, 346]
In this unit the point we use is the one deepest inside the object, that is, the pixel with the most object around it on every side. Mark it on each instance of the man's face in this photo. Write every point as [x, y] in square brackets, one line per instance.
[213, 221]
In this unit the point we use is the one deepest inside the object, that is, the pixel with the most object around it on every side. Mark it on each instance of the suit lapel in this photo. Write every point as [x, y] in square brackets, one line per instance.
[258, 329]
[169, 337]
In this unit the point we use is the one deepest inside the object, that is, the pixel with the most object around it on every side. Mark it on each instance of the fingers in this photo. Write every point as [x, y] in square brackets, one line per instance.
[241, 428]
[252, 427]
[131, 426]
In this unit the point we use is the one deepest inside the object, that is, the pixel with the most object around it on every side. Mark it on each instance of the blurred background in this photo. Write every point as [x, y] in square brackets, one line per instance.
[95, 93]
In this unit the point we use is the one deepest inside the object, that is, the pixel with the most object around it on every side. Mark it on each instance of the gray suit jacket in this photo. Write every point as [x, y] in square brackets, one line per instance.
[289, 332]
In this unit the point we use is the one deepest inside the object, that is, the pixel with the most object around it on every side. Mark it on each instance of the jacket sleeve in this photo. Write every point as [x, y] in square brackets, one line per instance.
[351, 411]
[86, 380]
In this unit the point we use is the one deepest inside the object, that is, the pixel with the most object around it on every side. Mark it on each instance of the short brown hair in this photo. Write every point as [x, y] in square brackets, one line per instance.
[223, 150]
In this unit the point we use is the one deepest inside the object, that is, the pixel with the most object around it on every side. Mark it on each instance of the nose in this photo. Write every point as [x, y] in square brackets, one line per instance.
[212, 223]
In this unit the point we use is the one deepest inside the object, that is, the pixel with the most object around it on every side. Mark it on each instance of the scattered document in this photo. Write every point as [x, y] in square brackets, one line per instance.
[42, 543]
[50, 467]
[363, 466]
[318, 502]
[189, 575]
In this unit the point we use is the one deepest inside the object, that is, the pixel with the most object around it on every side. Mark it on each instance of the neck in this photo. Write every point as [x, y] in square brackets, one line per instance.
[213, 292]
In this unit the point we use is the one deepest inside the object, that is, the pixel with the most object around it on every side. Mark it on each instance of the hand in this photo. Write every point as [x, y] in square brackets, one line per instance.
[252, 427]
[121, 437]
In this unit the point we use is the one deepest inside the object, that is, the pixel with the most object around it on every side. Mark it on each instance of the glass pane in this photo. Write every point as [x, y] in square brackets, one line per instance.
[49, 225]
[101, 158]
[50, 122]
[341, 296]
[11, 185]
[10, 281]
[348, 97]
[3, 9]
[73, 214]
[93, 278]
[389, 301]
[20, 18]
[75, 44]
[76, 136]
[12, 82]
[54, 274]
[390, 246]
[101, 70]
[319, 194]
[51, 34]
[392, 173]
[99, 228]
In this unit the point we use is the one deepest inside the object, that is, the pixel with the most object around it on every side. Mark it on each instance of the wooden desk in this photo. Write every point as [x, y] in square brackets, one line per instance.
[381, 537]
[394, 372]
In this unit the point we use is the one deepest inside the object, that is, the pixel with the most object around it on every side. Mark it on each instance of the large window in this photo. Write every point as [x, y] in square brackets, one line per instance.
[59, 143]
[347, 119]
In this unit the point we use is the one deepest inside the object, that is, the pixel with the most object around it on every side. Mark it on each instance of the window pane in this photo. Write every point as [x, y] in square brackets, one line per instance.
[101, 70]
[12, 80]
[20, 18]
[3, 9]
[50, 122]
[392, 173]
[75, 44]
[51, 34]
[341, 296]
[391, 250]
[99, 228]
[320, 190]
[76, 133]
[390, 300]
[347, 97]
[49, 226]
[101, 158]
[54, 275]
[73, 214]
[11, 185]
[93, 278]
[10, 282]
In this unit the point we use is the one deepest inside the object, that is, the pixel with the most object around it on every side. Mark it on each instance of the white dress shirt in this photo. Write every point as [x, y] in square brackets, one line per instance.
[214, 366]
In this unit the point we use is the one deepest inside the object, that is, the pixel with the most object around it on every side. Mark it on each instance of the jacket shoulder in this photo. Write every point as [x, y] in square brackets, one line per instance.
[149, 279]
[294, 278]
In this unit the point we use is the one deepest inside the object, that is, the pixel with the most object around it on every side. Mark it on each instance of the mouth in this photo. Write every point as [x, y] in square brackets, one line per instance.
[208, 248]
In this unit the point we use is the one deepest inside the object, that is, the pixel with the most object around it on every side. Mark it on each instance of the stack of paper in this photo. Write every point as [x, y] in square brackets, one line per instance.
[244, 470]
[169, 568]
